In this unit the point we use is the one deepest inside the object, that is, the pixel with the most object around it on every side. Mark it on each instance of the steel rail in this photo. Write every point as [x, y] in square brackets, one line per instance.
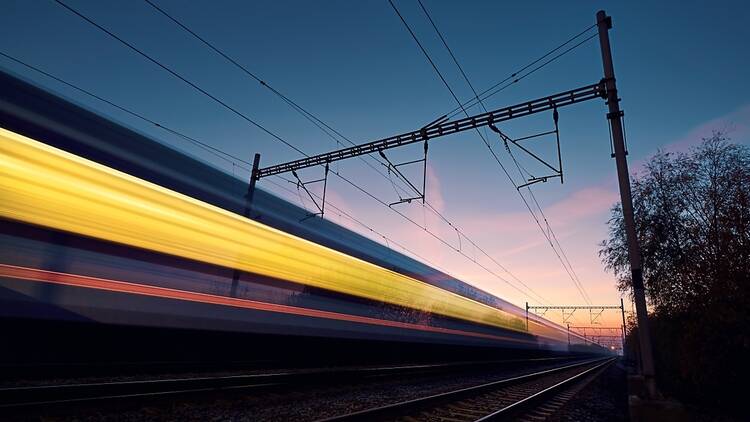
[399, 409]
[525, 404]
[60, 394]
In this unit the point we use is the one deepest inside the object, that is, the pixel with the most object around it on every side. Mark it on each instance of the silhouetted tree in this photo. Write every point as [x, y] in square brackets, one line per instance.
[692, 213]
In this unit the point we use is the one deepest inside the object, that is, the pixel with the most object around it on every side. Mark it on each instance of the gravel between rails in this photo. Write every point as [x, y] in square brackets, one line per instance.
[301, 403]
[604, 398]
[484, 400]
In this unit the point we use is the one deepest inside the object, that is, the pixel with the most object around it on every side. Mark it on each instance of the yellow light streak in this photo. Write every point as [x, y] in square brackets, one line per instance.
[45, 186]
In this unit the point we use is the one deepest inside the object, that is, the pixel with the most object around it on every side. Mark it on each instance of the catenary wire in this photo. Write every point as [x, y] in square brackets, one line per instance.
[320, 124]
[323, 126]
[549, 233]
[180, 77]
[569, 268]
[468, 82]
[525, 75]
[566, 264]
[463, 109]
[234, 160]
[585, 294]
[513, 78]
[246, 118]
[570, 272]
[215, 151]
[316, 121]
[231, 158]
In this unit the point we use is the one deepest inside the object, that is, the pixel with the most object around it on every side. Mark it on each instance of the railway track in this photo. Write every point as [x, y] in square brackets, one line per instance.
[527, 397]
[21, 398]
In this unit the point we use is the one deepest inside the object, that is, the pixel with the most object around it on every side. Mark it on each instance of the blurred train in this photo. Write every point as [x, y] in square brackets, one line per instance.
[114, 244]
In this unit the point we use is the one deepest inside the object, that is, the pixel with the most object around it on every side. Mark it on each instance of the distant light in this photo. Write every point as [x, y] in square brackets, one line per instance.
[612, 347]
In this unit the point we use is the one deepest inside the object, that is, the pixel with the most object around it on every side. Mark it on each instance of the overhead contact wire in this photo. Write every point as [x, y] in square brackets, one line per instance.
[311, 117]
[513, 78]
[254, 123]
[234, 160]
[230, 158]
[320, 124]
[180, 77]
[570, 272]
[445, 82]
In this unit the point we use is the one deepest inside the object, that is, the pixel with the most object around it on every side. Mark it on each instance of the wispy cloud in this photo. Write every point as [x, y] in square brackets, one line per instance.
[577, 207]
[735, 124]
[584, 203]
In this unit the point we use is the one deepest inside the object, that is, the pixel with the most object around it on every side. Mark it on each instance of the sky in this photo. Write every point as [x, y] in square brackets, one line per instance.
[680, 68]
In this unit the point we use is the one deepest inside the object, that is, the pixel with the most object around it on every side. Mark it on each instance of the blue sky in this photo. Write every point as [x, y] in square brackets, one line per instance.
[681, 69]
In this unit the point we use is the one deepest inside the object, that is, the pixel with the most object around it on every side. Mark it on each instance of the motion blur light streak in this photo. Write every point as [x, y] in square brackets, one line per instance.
[33, 274]
[45, 186]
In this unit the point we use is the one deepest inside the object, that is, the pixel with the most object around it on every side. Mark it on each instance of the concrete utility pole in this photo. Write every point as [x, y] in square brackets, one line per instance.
[604, 23]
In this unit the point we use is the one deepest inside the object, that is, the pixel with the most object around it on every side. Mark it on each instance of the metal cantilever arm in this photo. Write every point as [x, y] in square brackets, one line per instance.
[395, 168]
[557, 172]
[440, 127]
[322, 206]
